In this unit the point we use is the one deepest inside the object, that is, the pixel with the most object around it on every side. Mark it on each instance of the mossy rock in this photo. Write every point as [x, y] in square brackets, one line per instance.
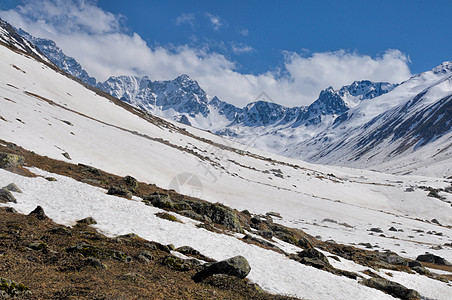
[131, 183]
[180, 264]
[38, 245]
[119, 191]
[219, 214]
[8, 160]
[167, 216]
[88, 250]
[6, 196]
[87, 221]
[159, 200]
[12, 289]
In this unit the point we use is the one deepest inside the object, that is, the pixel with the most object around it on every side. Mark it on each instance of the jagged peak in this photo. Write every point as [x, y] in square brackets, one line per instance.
[443, 68]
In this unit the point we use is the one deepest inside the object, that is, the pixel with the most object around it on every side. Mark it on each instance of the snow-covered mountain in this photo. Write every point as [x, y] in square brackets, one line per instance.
[364, 124]
[55, 117]
[57, 56]
[404, 121]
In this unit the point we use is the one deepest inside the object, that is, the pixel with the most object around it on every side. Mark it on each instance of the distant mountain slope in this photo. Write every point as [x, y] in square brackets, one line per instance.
[364, 124]
[403, 121]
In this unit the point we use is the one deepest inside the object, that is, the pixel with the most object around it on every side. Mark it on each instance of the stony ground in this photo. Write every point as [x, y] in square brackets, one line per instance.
[37, 254]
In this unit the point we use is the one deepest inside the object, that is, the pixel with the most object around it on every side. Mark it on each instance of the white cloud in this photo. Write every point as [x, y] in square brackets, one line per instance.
[240, 48]
[244, 31]
[186, 19]
[98, 41]
[215, 21]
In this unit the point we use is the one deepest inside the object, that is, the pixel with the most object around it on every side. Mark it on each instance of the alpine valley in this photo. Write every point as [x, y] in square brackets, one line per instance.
[136, 188]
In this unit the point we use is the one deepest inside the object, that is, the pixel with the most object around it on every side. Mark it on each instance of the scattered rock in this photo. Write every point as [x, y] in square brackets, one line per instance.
[37, 245]
[167, 216]
[128, 236]
[180, 264]
[12, 289]
[376, 229]
[314, 258]
[131, 183]
[50, 179]
[12, 188]
[436, 222]
[304, 243]
[60, 230]
[65, 154]
[393, 229]
[6, 196]
[87, 221]
[88, 250]
[414, 263]
[409, 189]
[392, 288]
[236, 266]
[132, 276]
[187, 250]
[434, 259]
[94, 262]
[90, 169]
[367, 245]
[39, 213]
[119, 191]
[8, 160]
[268, 234]
[421, 270]
[273, 214]
[145, 256]
[159, 200]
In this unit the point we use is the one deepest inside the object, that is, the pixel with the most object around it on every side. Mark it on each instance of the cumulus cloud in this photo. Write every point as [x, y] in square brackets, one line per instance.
[104, 47]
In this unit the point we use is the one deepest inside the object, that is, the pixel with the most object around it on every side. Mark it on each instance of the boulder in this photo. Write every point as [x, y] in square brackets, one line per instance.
[180, 264]
[159, 200]
[376, 229]
[119, 191]
[39, 213]
[313, 257]
[219, 214]
[87, 221]
[6, 196]
[88, 250]
[8, 160]
[236, 266]
[12, 188]
[145, 256]
[434, 259]
[268, 234]
[304, 243]
[132, 183]
[392, 288]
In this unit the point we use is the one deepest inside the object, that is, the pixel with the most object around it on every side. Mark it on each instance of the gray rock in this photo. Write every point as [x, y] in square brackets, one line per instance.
[421, 270]
[265, 233]
[236, 266]
[393, 228]
[434, 259]
[145, 256]
[376, 229]
[119, 191]
[65, 154]
[131, 183]
[12, 188]
[94, 262]
[160, 200]
[180, 264]
[6, 196]
[314, 258]
[87, 221]
[8, 160]
[39, 213]
[305, 243]
[392, 288]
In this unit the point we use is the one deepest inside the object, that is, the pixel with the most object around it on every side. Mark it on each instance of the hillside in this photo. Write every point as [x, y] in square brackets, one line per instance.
[46, 113]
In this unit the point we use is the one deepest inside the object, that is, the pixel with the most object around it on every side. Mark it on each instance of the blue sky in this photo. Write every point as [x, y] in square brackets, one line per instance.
[237, 49]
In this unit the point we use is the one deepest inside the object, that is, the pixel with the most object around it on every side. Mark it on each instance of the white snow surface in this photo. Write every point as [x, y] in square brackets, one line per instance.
[333, 202]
